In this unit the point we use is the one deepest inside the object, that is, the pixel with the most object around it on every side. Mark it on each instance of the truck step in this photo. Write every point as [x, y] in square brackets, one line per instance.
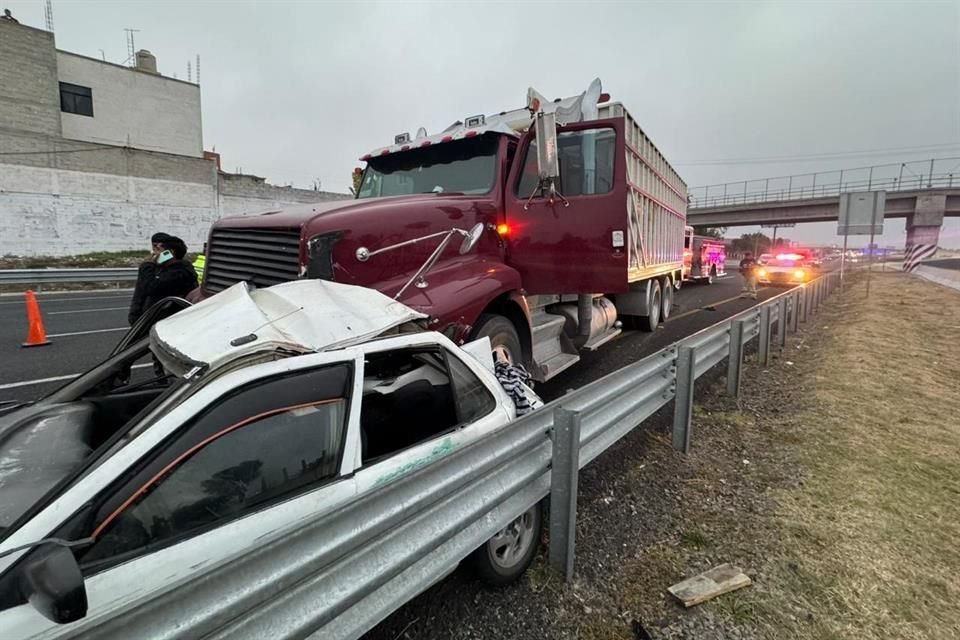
[596, 342]
[552, 349]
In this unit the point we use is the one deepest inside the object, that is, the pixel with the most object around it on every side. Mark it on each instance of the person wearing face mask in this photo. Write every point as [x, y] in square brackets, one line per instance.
[165, 273]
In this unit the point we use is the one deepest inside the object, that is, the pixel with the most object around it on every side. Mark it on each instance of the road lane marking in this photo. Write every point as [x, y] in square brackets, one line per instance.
[27, 383]
[60, 313]
[704, 308]
[84, 333]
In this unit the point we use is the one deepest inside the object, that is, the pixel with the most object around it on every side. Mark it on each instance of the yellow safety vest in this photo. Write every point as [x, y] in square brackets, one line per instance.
[198, 264]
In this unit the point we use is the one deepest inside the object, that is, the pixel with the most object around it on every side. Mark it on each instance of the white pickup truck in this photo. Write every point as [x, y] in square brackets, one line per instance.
[271, 406]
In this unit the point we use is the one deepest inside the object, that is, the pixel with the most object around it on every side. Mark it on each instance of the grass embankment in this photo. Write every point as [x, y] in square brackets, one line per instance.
[130, 258]
[834, 482]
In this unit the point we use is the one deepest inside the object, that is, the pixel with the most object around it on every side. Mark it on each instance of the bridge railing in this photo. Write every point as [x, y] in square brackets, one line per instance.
[904, 176]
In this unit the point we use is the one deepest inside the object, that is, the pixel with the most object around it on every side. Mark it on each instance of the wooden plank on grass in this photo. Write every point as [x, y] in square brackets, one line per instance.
[710, 584]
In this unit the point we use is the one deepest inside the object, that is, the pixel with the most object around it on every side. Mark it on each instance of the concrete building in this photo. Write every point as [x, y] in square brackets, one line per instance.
[128, 107]
[97, 156]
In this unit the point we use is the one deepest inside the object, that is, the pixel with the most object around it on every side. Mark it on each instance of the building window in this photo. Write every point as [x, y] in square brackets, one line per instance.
[76, 99]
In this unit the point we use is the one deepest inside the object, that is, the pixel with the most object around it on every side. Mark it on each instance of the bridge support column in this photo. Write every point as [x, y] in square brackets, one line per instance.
[923, 229]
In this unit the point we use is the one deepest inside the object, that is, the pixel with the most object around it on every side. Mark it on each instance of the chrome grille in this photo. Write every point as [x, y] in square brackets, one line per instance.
[262, 257]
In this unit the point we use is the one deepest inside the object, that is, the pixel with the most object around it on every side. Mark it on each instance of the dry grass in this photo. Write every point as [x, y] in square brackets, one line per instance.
[870, 546]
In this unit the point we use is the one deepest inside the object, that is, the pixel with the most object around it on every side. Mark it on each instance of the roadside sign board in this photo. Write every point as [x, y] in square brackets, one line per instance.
[861, 213]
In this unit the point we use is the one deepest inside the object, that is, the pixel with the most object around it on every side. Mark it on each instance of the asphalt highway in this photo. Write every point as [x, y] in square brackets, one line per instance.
[83, 327]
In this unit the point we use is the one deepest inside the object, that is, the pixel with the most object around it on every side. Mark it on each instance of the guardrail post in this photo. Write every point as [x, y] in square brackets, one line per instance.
[683, 402]
[795, 314]
[804, 303]
[782, 323]
[735, 360]
[564, 474]
[763, 352]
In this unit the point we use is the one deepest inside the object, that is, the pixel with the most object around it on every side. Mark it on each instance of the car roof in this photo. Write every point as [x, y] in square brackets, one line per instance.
[299, 316]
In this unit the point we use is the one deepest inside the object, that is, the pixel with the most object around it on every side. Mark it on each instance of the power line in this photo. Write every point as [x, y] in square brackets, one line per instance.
[822, 156]
[60, 151]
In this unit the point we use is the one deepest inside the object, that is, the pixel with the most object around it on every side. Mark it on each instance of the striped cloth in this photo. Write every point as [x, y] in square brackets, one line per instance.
[916, 254]
[515, 380]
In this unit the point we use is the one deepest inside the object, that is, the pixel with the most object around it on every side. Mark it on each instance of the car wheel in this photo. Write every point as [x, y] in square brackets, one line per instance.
[666, 307]
[652, 321]
[507, 554]
[503, 337]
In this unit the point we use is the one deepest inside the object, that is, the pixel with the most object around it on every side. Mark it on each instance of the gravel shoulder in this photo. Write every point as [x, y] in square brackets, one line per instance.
[833, 482]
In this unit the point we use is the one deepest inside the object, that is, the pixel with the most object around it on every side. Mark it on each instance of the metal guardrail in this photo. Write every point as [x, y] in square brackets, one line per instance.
[63, 276]
[341, 572]
[938, 173]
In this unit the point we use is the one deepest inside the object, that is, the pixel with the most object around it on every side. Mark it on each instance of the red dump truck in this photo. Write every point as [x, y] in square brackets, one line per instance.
[568, 220]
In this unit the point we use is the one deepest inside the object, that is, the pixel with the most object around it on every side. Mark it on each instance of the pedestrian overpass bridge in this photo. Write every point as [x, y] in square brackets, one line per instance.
[923, 192]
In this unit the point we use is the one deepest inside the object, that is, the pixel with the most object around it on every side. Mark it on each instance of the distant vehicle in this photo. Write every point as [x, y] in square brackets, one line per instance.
[764, 257]
[704, 258]
[785, 269]
[299, 399]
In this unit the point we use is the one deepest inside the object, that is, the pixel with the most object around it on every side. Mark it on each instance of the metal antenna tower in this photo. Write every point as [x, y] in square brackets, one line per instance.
[198, 68]
[189, 72]
[131, 48]
[48, 15]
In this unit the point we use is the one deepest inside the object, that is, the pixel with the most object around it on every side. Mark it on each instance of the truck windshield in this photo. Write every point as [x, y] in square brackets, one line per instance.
[465, 166]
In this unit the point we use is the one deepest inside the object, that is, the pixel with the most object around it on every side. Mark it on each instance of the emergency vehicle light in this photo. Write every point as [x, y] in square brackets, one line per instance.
[474, 121]
[789, 256]
[401, 138]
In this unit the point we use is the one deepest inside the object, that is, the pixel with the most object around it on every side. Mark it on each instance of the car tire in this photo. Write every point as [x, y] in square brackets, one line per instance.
[666, 294]
[652, 321]
[505, 556]
[504, 339]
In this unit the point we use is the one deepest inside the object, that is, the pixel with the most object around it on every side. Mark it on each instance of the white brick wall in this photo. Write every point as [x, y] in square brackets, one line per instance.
[60, 212]
[57, 212]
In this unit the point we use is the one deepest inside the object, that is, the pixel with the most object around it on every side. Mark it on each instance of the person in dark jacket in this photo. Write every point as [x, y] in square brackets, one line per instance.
[748, 269]
[164, 274]
[136, 302]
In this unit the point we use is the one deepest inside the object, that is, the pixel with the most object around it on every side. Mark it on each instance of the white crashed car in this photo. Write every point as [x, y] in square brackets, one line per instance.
[270, 405]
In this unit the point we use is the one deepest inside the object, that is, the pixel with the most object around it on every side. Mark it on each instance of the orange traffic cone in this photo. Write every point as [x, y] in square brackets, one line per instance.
[36, 334]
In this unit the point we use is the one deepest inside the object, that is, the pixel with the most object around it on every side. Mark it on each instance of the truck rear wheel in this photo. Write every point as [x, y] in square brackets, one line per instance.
[652, 321]
[666, 292]
[503, 337]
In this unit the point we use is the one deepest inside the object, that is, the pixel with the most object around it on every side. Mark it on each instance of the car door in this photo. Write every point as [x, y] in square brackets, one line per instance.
[266, 452]
[421, 401]
[578, 247]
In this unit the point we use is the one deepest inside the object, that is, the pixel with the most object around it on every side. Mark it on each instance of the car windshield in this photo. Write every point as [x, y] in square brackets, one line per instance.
[465, 166]
[44, 444]
[786, 262]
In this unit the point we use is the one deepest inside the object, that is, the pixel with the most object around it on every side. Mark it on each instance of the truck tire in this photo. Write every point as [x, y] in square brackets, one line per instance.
[503, 337]
[666, 293]
[652, 321]
[505, 556]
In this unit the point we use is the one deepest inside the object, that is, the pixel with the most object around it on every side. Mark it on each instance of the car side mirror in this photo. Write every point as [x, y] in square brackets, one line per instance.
[52, 582]
[471, 238]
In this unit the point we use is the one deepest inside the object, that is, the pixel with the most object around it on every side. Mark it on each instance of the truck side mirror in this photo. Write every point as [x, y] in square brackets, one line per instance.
[548, 167]
[51, 581]
[471, 238]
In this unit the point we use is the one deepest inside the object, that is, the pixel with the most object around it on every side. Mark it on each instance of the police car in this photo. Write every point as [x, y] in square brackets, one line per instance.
[295, 400]
[785, 269]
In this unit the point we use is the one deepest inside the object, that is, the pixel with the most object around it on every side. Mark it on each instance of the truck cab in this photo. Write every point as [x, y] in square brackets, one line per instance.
[575, 236]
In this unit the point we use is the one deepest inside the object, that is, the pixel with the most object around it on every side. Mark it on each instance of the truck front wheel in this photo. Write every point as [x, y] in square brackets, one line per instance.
[503, 337]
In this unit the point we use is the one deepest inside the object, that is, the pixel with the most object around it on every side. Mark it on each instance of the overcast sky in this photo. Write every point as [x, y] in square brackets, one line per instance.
[297, 91]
